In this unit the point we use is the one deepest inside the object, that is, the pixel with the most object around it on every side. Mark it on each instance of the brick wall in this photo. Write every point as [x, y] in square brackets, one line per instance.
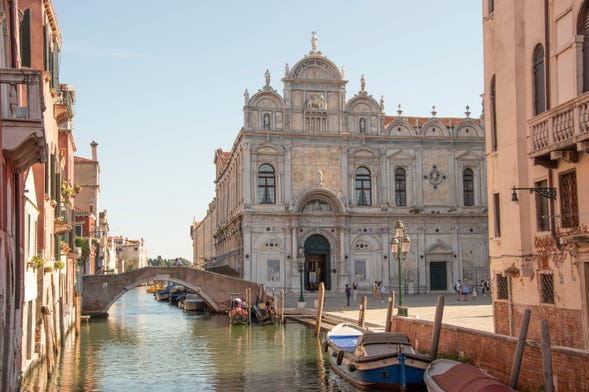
[494, 353]
[565, 324]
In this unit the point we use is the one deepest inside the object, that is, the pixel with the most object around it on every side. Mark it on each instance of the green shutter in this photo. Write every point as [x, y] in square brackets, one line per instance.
[25, 39]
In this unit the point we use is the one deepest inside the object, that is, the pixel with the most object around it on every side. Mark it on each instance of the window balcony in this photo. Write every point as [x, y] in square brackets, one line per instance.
[23, 132]
[560, 133]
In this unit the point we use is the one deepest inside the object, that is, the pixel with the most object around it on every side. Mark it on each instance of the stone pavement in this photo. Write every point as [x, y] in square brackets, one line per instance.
[475, 314]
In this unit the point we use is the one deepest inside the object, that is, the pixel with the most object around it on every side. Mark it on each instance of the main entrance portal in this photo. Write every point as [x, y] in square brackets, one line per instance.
[317, 264]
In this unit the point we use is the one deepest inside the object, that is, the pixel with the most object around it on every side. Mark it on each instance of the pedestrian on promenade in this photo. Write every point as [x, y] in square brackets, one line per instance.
[355, 288]
[482, 288]
[374, 290]
[458, 289]
[465, 290]
[348, 294]
[381, 292]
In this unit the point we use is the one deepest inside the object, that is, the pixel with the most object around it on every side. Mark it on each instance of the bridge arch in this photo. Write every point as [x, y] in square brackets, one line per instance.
[99, 292]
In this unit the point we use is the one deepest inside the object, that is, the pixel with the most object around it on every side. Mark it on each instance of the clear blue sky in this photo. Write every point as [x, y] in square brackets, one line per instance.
[159, 85]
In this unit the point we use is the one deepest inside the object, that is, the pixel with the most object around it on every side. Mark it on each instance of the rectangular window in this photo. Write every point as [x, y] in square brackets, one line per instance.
[360, 270]
[502, 292]
[78, 230]
[547, 288]
[273, 271]
[569, 209]
[497, 215]
[542, 214]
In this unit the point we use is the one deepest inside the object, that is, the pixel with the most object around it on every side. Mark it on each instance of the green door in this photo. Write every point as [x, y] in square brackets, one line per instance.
[437, 275]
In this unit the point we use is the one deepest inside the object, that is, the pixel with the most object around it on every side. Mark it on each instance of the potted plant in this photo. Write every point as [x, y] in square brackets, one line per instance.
[59, 264]
[36, 262]
[48, 269]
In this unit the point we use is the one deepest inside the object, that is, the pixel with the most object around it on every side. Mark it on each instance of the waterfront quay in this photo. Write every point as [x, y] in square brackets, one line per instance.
[475, 314]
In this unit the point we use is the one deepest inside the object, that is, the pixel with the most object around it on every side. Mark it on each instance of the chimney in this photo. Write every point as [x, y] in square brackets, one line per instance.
[94, 145]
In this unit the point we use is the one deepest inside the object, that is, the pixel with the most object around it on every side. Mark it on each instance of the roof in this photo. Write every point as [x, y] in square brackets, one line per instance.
[83, 160]
[422, 120]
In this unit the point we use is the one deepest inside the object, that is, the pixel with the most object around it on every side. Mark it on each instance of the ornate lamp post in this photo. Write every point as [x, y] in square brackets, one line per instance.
[400, 244]
[301, 267]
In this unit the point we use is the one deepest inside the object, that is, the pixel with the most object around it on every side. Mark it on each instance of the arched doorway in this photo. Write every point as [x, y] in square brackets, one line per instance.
[317, 265]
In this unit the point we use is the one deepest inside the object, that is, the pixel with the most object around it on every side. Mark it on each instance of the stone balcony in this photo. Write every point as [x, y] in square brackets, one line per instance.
[23, 132]
[560, 133]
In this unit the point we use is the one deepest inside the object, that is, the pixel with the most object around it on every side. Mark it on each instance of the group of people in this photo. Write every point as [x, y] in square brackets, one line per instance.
[463, 290]
[378, 291]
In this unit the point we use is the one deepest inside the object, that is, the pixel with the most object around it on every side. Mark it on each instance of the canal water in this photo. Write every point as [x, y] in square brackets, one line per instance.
[145, 345]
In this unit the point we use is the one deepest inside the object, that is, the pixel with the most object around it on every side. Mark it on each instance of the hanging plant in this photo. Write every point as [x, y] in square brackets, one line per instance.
[48, 269]
[36, 262]
[59, 264]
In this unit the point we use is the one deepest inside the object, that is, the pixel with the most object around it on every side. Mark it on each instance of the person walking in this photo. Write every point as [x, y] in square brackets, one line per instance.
[458, 289]
[355, 288]
[381, 292]
[348, 295]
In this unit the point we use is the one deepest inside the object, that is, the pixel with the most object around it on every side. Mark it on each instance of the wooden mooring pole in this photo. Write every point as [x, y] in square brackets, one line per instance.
[547, 358]
[362, 312]
[437, 327]
[320, 299]
[48, 339]
[282, 306]
[519, 350]
[389, 321]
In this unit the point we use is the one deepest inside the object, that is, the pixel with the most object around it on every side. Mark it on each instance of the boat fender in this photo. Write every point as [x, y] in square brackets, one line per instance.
[325, 345]
[340, 357]
[352, 367]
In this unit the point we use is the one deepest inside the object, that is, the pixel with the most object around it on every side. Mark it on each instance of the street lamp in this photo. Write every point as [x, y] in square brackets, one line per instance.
[400, 244]
[301, 267]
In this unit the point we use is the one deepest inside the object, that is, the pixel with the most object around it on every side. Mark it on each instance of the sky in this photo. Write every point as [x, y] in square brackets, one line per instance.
[160, 88]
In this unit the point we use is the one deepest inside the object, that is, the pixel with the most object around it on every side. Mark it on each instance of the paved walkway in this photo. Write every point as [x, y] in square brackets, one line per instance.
[475, 314]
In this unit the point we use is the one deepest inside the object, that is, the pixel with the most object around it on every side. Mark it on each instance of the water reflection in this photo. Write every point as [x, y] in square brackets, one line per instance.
[145, 345]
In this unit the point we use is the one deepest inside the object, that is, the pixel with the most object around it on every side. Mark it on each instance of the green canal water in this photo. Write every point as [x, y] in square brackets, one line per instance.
[145, 345]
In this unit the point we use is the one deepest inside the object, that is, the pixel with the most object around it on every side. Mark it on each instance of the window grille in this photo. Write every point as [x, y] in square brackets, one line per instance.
[266, 184]
[468, 187]
[569, 209]
[546, 288]
[502, 292]
[400, 187]
[362, 187]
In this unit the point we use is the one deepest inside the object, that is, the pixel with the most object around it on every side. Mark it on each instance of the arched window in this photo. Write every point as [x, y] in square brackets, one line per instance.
[585, 32]
[400, 187]
[493, 105]
[468, 187]
[266, 184]
[362, 186]
[539, 80]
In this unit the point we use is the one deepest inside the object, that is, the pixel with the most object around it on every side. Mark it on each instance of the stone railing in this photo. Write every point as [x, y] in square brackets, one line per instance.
[560, 128]
[22, 96]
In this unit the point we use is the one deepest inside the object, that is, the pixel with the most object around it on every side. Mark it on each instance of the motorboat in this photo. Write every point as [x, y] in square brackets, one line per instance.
[446, 375]
[192, 302]
[369, 359]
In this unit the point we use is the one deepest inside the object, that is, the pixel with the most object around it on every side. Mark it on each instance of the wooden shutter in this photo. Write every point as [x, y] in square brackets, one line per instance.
[25, 39]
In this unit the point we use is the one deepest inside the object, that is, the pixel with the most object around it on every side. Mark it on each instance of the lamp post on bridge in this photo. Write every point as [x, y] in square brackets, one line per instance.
[400, 244]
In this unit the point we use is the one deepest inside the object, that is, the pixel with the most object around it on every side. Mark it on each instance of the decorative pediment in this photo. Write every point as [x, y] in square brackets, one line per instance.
[268, 149]
[400, 154]
[434, 127]
[469, 128]
[438, 248]
[400, 127]
[315, 68]
[468, 156]
[364, 153]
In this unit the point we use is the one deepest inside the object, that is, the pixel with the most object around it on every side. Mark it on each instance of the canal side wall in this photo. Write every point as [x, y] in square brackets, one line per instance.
[494, 353]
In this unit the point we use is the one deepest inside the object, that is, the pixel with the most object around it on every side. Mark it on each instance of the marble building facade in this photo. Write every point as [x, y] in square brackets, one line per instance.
[321, 180]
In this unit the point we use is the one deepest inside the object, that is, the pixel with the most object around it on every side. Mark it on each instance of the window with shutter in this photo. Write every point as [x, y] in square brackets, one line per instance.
[25, 39]
[362, 187]
[539, 80]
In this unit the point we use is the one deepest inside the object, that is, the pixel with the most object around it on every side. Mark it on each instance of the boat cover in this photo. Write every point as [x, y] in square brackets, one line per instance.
[383, 338]
[345, 342]
[464, 377]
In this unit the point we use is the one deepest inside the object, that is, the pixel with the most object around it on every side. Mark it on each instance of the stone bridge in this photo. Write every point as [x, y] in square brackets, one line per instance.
[99, 292]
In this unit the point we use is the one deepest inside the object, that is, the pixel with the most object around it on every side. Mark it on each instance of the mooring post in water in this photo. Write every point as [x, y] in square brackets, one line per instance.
[320, 300]
[48, 340]
[389, 321]
[519, 350]
[77, 307]
[282, 306]
[547, 358]
[362, 312]
[437, 327]
[248, 297]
